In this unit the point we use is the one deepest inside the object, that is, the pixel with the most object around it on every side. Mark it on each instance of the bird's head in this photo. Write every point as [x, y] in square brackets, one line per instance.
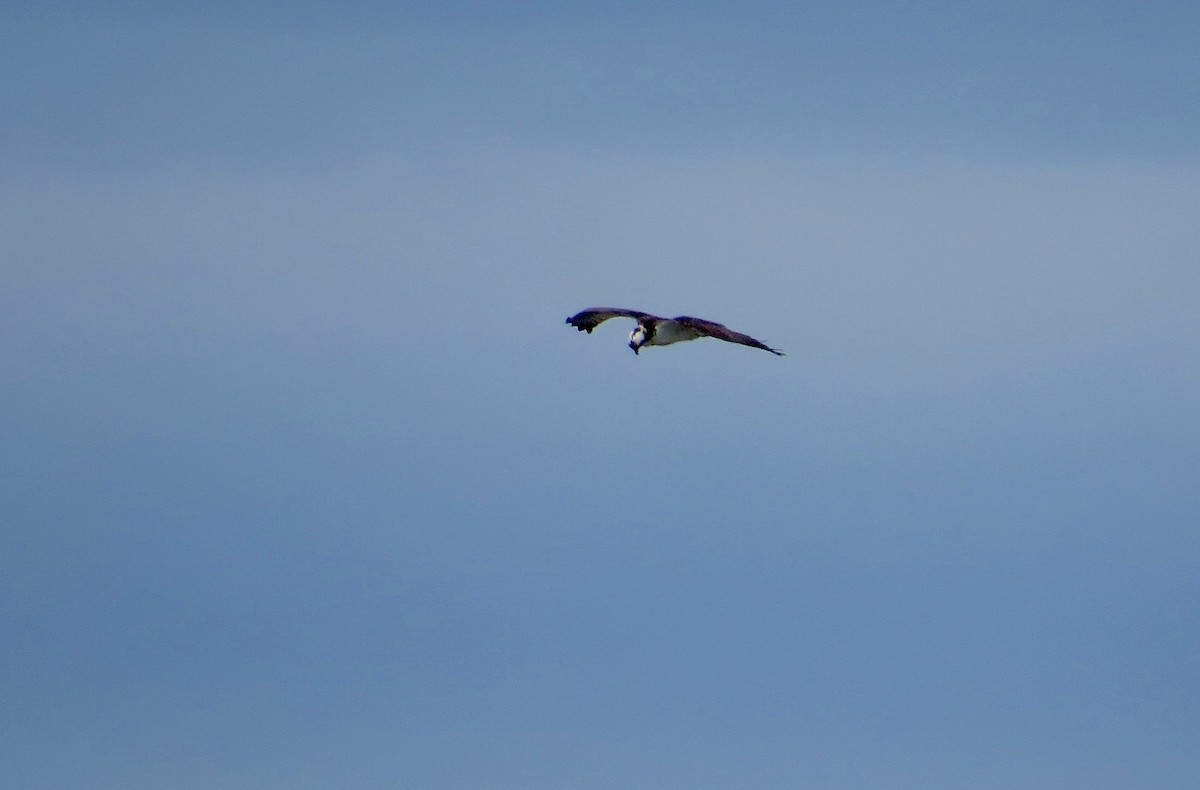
[637, 338]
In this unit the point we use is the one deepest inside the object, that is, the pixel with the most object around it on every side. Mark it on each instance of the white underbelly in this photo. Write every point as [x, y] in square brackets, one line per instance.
[669, 332]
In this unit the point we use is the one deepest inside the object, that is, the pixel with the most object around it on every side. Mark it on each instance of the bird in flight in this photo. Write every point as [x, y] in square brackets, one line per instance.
[653, 330]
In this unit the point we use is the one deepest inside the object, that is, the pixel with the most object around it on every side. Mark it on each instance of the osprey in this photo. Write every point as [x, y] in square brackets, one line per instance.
[653, 330]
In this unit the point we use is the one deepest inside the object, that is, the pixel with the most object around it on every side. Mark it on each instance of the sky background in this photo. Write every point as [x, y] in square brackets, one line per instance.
[306, 484]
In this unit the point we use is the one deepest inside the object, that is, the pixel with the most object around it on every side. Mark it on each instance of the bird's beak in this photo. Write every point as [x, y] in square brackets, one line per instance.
[634, 347]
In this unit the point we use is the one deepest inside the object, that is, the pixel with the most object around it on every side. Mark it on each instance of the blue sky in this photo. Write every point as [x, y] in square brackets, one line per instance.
[306, 483]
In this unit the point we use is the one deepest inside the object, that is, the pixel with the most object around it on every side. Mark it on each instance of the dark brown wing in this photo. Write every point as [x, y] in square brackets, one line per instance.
[722, 332]
[587, 320]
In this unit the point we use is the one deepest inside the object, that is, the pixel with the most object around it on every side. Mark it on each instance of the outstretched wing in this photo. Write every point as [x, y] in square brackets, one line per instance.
[722, 332]
[587, 320]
